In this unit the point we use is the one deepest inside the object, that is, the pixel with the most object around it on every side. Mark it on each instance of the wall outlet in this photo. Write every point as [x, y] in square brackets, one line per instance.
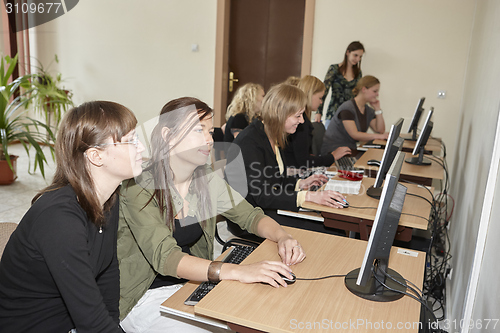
[442, 94]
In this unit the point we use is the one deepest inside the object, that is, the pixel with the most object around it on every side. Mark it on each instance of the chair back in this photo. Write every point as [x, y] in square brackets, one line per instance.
[317, 137]
[6, 229]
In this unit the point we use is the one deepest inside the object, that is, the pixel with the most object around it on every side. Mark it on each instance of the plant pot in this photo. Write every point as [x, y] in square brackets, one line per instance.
[7, 176]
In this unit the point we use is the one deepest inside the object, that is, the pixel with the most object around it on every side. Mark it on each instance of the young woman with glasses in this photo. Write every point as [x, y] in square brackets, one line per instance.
[59, 271]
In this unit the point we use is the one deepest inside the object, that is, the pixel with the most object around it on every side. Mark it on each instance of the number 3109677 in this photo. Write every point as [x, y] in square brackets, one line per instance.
[40, 8]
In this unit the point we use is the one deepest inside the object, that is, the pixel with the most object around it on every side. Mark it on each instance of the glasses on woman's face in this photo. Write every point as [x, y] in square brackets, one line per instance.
[134, 141]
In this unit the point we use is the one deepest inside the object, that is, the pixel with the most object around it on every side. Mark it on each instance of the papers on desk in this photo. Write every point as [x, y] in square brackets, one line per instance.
[344, 187]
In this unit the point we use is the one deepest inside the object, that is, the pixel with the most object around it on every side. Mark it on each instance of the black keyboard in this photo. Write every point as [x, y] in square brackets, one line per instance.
[237, 254]
[346, 163]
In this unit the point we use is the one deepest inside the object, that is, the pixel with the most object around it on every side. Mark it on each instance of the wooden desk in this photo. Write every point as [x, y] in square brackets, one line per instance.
[415, 173]
[325, 302]
[361, 220]
[433, 146]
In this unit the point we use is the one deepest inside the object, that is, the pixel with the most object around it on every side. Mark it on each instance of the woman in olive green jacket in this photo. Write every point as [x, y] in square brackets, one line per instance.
[167, 222]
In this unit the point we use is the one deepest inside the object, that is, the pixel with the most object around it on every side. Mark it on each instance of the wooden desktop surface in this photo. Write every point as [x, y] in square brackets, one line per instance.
[412, 206]
[326, 302]
[422, 172]
[433, 145]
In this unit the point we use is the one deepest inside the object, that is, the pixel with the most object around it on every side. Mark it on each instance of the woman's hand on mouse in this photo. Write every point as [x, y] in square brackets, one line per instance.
[317, 179]
[290, 251]
[264, 271]
[326, 198]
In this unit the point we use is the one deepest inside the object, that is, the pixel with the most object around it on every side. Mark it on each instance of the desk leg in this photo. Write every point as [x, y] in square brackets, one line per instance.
[352, 234]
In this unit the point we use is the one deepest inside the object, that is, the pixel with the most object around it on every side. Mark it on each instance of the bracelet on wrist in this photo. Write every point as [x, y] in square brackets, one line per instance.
[378, 112]
[213, 273]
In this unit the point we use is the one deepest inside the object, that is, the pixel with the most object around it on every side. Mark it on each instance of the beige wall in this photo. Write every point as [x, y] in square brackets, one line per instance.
[137, 53]
[474, 228]
[415, 48]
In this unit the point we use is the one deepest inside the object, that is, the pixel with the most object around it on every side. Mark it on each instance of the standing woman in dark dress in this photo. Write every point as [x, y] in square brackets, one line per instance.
[342, 78]
[59, 271]
[299, 147]
[244, 107]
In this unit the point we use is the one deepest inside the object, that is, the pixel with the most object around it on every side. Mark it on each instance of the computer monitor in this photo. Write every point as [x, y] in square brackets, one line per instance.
[368, 280]
[375, 191]
[416, 118]
[421, 142]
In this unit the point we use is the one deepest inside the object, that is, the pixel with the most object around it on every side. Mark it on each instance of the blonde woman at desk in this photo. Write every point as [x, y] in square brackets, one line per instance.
[353, 118]
[265, 180]
[298, 151]
[244, 107]
[59, 271]
[168, 220]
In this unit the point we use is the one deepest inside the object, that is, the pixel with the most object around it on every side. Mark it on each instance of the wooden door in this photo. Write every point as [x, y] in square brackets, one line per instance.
[265, 41]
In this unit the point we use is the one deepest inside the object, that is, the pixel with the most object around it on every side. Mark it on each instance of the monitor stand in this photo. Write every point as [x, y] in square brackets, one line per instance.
[413, 136]
[374, 290]
[419, 160]
[374, 192]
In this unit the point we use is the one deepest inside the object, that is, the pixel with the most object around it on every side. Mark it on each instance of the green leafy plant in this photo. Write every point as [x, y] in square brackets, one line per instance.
[48, 97]
[15, 124]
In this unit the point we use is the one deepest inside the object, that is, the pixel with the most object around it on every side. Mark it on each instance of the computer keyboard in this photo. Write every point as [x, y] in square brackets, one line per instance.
[237, 254]
[346, 163]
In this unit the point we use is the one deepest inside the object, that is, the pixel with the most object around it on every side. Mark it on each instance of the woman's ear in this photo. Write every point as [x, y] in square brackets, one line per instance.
[164, 133]
[94, 156]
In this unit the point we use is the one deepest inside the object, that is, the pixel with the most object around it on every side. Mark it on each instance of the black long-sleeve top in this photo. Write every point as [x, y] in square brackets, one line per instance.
[266, 187]
[297, 152]
[58, 271]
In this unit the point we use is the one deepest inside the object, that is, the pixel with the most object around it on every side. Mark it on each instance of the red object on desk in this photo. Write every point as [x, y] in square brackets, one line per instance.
[350, 175]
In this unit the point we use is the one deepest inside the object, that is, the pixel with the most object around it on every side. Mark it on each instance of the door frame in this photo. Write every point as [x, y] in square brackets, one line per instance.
[222, 52]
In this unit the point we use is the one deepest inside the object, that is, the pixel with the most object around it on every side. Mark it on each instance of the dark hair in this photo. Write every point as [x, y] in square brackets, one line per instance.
[354, 46]
[180, 116]
[84, 127]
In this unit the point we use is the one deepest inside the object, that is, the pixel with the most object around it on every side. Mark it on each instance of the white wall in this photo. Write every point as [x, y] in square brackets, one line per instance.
[475, 142]
[414, 47]
[137, 53]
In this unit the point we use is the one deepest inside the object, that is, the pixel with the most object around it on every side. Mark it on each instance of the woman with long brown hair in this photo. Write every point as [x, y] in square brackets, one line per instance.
[59, 271]
[342, 78]
[168, 221]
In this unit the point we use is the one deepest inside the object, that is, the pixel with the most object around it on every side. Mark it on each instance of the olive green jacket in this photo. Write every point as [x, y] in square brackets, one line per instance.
[146, 246]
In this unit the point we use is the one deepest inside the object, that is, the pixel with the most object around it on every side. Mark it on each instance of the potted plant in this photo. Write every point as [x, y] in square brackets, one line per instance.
[49, 98]
[16, 125]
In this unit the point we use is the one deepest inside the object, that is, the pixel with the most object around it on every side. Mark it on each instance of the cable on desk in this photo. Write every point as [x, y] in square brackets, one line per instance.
[320, 278]
[421, 301]
[428, 220]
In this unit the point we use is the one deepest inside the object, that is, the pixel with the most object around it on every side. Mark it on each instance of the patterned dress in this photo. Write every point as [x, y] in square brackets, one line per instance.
[341, 89]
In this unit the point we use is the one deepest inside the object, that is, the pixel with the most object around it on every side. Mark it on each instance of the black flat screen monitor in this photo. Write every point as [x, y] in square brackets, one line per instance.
[416, 118]
[375, 191]
[421, 142]
[368, 281]
[389, 154]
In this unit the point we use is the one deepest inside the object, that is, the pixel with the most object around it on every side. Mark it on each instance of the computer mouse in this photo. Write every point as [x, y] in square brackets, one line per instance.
[344, 203]
[287, 280]
[373, 162]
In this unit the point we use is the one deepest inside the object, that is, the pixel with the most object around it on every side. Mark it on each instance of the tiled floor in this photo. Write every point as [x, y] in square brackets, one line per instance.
[15, 199]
